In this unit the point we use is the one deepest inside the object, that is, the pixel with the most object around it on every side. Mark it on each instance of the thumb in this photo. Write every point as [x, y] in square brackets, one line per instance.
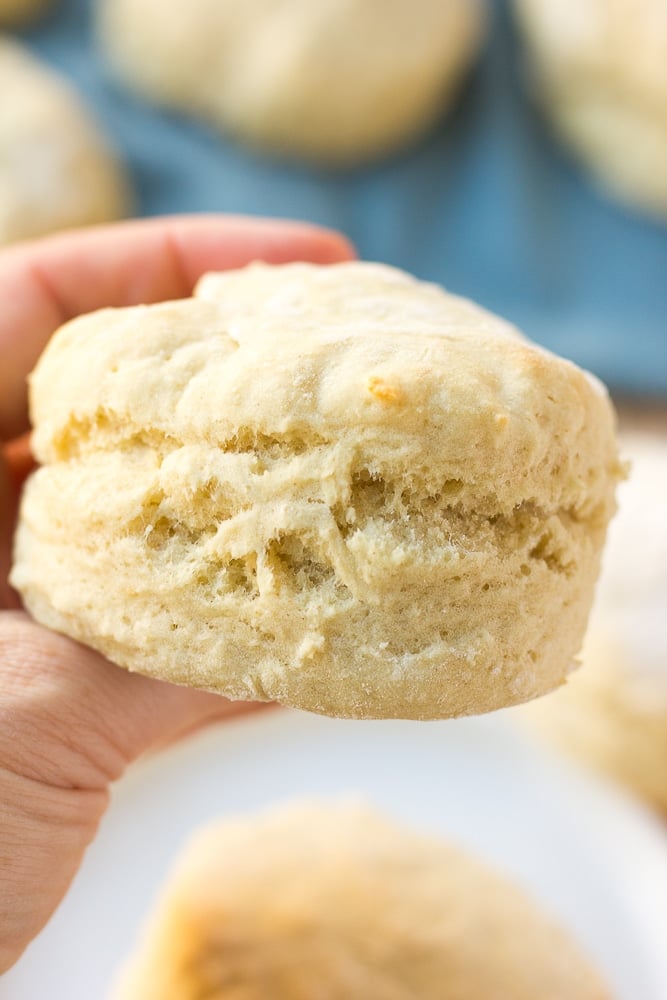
[70, 722]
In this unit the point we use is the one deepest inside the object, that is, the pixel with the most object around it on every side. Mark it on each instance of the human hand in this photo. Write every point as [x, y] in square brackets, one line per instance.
[70, 722]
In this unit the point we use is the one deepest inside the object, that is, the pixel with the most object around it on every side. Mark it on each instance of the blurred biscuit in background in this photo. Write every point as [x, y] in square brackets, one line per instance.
[56, 169]
[600, 70]
[612, 713]
[335, 82]
[18, 12]
[334, 901]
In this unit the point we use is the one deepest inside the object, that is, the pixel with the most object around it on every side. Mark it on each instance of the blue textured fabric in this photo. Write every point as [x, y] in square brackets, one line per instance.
[488, 205]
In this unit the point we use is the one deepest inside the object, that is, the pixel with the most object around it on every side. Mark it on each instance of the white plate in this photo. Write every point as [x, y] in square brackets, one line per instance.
[594, 860]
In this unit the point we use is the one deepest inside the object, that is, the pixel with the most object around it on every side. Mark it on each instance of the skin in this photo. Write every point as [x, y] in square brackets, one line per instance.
[71, 722]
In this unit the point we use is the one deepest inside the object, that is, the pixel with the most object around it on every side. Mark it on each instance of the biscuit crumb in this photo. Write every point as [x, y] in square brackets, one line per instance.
[309, 647]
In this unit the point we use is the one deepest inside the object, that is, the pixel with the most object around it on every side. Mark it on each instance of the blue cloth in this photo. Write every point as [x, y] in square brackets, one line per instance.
[488, 205]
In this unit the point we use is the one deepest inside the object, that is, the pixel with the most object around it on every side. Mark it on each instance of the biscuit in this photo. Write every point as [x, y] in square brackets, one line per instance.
[332, 82]
[613, 712]
[334, 901]
[599, 67]
[17, 12]
[56, 170]
[334, 487]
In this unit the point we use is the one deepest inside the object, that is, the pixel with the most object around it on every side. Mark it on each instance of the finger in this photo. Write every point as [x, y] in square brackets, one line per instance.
[77, 720]
[47, 282]
[7, 518]
[19, 459]
[70, 722]
[16, 462]
[43, 835]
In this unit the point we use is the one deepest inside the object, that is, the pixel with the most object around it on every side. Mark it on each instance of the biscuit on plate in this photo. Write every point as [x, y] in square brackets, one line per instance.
[600, 69]
[332, 82]
[613, 712]
[56, 170]
[334, 901]
[334, 487]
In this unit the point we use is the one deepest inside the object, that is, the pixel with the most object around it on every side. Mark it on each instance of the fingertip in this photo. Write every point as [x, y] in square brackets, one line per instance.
[337, 249]
[292, 233]
[328, 246]
[217, 242]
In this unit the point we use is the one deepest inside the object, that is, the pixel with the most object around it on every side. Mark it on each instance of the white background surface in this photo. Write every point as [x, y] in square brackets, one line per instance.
[594, 860]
